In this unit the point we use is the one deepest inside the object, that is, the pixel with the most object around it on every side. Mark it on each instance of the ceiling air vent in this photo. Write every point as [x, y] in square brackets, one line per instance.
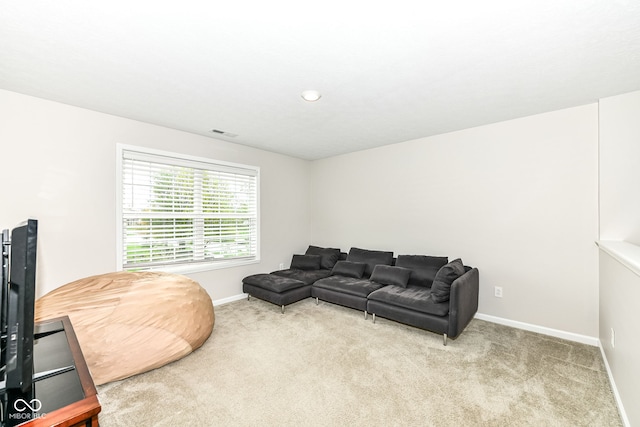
[223, 133]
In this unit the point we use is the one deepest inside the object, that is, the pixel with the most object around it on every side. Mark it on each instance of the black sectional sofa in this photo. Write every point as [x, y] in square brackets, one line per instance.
[427, 292]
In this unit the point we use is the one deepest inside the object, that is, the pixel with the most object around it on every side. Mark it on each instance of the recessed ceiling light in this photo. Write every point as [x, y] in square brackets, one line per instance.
[311, 95]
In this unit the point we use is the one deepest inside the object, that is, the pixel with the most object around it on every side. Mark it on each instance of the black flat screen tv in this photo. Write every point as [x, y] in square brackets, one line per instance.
[6, 245]
[19, 307]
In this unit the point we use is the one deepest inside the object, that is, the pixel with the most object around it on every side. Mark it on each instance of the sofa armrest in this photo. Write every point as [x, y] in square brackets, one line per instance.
[463, 301]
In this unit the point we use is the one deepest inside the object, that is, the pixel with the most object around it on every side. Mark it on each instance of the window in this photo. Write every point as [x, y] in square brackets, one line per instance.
[185, 211]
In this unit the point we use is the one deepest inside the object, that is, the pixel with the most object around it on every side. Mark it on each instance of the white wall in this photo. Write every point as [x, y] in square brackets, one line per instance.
[620, 312]
[517, 199]
[620, 220]
[620, 168]
[58, 165]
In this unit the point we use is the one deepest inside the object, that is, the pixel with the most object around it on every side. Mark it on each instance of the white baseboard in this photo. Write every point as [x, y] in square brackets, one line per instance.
[229, 299]
[623, 414]
[583, 339]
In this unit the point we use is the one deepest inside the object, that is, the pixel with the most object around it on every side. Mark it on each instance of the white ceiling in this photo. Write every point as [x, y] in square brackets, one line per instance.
[388, 71]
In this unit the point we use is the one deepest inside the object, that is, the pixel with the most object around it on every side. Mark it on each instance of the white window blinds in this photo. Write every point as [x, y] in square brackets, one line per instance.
[179, 210]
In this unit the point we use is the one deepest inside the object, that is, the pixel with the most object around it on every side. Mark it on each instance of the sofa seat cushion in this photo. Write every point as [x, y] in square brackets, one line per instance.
[415, 298]
[348, 285]
[305, 276]
[273, 282]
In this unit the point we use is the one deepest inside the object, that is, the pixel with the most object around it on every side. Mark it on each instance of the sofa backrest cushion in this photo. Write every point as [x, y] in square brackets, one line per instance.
[306, 262]
[371, 258]
[329, 256]
[388, 275]
[423, 268]
[349, 269]
[441, 288]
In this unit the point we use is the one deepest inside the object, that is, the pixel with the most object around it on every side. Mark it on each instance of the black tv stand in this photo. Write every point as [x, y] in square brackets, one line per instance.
[42, 376]
[64, 394]
[41, 334]
[38, 376]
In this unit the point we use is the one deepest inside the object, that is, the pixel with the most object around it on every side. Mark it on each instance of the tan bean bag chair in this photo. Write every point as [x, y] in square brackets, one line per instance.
[128, 323]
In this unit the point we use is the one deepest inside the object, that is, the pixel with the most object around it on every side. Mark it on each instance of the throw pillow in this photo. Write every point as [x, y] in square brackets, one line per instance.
[423, 268]
[388, 275]
[349, 269]
[306, 262]
[329, 256]
[441, 288]
[371, 258]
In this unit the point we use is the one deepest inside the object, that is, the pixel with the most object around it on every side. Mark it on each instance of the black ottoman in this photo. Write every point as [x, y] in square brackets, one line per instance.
[275, 289]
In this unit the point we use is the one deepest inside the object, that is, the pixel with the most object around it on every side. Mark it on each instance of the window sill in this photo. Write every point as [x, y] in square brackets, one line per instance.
[199, 268]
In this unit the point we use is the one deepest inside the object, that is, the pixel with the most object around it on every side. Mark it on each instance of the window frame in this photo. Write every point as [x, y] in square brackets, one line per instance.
[185, 267]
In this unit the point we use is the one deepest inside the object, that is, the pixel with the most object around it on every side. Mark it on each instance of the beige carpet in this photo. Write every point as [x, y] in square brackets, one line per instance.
[326, 366]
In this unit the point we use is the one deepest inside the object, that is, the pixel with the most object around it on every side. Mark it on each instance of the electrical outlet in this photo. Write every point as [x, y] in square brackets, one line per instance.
[613, 338]
[497, 291]
[281, 267]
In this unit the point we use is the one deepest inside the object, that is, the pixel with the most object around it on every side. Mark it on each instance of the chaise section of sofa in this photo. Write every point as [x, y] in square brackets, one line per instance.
[284, 287]
[275, 289]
